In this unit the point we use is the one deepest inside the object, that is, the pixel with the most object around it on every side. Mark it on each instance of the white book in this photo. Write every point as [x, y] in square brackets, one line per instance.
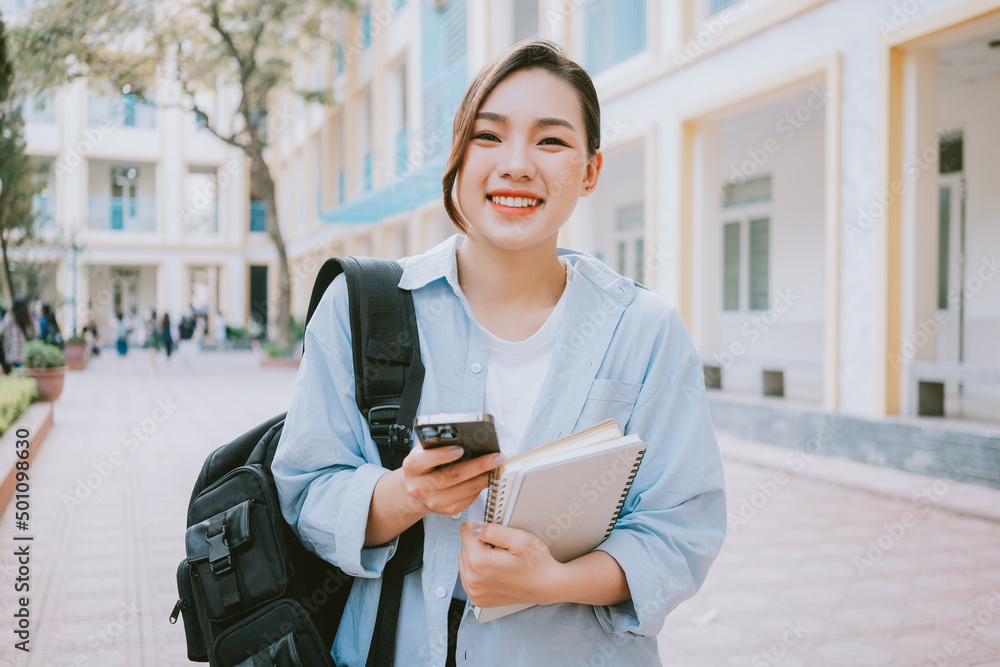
[568, 492]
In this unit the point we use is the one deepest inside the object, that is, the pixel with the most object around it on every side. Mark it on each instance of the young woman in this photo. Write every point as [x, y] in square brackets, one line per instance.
[549, 341]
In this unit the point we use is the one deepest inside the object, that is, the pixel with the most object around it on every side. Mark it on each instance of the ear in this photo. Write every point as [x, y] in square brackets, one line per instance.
[592, 174]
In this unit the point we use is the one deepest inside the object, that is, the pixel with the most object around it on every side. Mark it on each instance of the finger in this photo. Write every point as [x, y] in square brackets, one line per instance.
[422, 461]
[451, 499]
[457, 473]
[504, 537]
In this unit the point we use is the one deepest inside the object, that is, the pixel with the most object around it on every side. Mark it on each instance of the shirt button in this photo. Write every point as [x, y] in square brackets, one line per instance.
[476, 367]
[440, 592]
[456, 517]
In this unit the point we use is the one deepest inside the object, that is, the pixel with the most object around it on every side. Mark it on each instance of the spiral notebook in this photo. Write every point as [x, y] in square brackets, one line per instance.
[569, 493]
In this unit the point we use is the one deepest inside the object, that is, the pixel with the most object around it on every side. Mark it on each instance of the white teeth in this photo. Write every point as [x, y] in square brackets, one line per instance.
[516, 202]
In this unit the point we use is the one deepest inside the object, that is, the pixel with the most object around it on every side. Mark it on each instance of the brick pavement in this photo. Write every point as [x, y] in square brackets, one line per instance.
[786, 590]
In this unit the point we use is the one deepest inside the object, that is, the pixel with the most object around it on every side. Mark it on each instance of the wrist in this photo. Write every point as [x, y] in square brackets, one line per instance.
[558, 586]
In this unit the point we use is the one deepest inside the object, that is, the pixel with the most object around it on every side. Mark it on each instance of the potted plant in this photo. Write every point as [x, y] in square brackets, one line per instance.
[47, 364]
[76, 352]
[278, 355]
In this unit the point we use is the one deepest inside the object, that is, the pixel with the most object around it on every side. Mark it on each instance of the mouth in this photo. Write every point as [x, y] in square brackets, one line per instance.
[514, 205]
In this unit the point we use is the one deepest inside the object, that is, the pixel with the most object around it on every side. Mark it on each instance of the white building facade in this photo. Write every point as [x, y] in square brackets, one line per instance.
[808, 181]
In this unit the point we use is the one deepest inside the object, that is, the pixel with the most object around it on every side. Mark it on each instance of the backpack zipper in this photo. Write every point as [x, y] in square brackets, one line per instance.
[178, 608]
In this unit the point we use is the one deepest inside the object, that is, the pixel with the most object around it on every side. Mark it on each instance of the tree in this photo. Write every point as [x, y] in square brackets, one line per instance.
[200, 46]
[18, 187]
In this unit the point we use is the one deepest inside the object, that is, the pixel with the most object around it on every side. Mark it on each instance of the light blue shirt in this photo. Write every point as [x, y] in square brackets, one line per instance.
[622, 353]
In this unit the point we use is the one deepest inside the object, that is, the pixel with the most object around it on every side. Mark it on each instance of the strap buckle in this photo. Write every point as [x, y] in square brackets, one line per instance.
[218, 552]
[382, 424]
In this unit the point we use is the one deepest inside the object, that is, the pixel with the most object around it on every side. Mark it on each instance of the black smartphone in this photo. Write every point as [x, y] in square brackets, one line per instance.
[473, 431]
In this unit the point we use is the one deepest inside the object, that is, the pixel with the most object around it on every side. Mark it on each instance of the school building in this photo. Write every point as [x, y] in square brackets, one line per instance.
[807, 181]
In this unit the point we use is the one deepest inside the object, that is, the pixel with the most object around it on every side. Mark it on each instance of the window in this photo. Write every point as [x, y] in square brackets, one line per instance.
[758, 263]
[201, 203]
[944, 232]
[444, 57]
[629, 241]
[746, 241]
[951, 153]
[731, 266]
[616, 30]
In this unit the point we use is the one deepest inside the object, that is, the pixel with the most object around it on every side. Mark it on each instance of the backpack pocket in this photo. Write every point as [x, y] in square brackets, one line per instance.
[186, 606]
[235, 546]
[280, 635]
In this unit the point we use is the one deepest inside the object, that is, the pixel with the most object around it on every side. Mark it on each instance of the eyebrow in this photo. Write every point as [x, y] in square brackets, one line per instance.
[540, 122]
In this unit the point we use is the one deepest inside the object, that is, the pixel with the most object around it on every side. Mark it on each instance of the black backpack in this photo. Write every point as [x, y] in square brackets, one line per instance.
[250, 593]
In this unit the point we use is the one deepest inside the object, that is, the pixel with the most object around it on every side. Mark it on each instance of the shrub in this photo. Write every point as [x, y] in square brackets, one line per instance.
[275, 350]
[76, 340]
[43, 355]
[298, 330]
[16, 394]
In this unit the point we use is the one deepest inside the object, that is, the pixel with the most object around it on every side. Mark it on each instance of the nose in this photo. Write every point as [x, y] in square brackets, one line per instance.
[515, 162]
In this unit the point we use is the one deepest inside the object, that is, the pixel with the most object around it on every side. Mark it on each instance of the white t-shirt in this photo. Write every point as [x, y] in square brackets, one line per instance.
[514, 375]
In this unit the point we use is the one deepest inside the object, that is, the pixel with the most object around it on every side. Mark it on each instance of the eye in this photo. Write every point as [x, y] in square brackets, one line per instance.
[557, 141]
[486, 136]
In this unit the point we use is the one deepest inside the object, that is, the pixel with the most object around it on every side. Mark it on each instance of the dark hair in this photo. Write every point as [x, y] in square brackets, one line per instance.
[50, 318]
[22, 317]
[526, 55]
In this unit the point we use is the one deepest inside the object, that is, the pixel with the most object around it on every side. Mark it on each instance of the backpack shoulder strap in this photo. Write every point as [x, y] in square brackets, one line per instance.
[388, 371]
[388, 376]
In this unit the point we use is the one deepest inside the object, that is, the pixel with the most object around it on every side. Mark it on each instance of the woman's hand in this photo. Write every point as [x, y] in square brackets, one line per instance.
[502, 565]
[450, 489]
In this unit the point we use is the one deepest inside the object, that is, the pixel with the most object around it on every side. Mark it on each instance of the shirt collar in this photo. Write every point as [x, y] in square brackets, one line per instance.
[441, 262]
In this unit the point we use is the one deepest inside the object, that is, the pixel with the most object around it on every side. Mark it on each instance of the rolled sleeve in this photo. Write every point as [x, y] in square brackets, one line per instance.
[326, 465]
[352, 521]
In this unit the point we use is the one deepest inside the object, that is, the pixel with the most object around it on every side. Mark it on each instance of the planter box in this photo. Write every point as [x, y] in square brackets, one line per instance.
[37, 419]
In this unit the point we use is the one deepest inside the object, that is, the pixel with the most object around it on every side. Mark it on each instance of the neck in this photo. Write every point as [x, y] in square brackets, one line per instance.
[532, 278]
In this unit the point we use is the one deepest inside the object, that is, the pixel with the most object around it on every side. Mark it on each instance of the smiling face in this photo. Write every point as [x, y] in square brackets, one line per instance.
[526, 164]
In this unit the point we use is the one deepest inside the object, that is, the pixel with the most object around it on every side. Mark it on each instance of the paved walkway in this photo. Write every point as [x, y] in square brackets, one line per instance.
[814, 573]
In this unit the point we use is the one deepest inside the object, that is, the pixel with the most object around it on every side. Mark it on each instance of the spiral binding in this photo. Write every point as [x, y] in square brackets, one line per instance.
[494, 497]
[621, 501]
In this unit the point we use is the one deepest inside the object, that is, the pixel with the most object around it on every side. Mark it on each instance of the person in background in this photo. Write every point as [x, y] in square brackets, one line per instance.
[121, 334]
[167, 335]
[49, 327]
[152, 342]
[92, 340]
[16, 329]
[219, 330]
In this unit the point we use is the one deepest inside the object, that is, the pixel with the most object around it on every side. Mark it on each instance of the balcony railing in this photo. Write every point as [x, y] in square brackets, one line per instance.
[44, 210]
[121, 110]
[258, 216]
[122, 214]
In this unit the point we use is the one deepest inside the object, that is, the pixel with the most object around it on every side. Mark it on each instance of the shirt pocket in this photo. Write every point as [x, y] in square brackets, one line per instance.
[609, 399]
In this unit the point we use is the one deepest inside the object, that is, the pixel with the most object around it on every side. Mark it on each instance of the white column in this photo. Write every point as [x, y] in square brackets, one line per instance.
[706, 236]
[919, 206]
